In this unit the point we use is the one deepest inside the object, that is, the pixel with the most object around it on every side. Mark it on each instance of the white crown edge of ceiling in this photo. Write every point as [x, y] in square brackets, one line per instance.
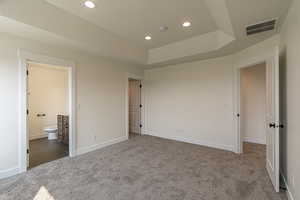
[205, 43]
[197, 45]
[220, 13]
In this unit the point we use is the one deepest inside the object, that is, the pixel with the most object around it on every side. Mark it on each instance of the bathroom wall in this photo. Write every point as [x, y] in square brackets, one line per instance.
[253, 104]
[48, 94]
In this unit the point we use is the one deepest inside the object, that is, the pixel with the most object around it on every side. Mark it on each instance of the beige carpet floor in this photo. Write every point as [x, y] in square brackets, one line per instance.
[148, 168]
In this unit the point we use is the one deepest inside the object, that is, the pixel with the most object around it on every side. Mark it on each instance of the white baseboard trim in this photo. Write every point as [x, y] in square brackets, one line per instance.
[192, 141]
[94, 147]
[288, 191]
[9, 172]
[143, 132]
[254, 140]
[38, 136]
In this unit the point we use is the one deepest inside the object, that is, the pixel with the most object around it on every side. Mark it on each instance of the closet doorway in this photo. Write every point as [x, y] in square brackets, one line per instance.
[135, 107]
[257, 105]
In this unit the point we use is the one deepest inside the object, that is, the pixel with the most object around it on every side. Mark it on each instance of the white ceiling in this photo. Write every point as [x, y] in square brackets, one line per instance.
[133, 19]
[116, 28]
[23, 30]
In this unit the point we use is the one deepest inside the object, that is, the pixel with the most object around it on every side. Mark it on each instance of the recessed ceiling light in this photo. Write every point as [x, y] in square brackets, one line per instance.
[186, 24]
[163, 28]
[89, 4]
[148, 37]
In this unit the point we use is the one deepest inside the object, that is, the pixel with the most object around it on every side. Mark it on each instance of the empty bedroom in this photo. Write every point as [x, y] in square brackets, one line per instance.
[149, 100]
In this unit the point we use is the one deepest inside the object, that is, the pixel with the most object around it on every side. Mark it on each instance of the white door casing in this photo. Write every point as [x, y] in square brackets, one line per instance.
[134, 106]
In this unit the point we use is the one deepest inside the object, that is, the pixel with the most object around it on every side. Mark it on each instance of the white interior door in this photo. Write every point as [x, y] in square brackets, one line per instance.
[272, 116]
[27, 117]
[134, 106]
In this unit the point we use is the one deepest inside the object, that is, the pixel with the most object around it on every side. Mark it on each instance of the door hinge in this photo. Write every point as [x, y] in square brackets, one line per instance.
[27, 151]
[141, 125]
[141, 86]
[27, 112]
[27, 72]
[238, 115]
[141, 105]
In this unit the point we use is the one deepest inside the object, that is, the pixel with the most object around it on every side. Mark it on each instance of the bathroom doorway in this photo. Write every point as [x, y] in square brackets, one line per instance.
[48, 113]
[25, 58]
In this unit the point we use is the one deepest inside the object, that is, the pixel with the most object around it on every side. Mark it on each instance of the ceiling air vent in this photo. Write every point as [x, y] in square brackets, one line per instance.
[261, 27]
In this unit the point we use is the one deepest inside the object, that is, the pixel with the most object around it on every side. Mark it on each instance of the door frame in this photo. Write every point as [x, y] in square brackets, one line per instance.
[250, 61]
[140, 78]
[24, 57]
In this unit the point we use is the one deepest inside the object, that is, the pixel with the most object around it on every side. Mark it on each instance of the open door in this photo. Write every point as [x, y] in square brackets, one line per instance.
[135, 106]
[27, 117]
[273, 123]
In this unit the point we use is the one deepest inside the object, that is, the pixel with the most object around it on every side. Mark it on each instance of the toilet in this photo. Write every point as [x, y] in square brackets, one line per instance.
[51, 131]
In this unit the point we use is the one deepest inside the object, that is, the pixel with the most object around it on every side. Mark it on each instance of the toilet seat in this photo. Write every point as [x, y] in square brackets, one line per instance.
[50, 129]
